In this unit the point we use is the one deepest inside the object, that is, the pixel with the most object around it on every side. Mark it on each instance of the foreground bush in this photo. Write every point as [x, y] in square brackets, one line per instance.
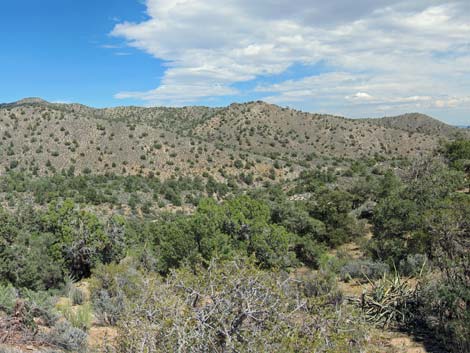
[444, 309]
[235, 307]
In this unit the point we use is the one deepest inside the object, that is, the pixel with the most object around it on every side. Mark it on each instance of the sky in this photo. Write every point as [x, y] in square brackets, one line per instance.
[362, 58]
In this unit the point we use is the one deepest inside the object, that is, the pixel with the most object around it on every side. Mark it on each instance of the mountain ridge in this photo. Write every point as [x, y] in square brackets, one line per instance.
[39, 101]
[259, 139]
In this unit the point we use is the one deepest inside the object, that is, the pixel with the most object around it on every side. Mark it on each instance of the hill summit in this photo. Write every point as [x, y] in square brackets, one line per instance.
[31, 100]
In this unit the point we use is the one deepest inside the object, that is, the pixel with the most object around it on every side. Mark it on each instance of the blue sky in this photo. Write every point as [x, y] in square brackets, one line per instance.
[56, 49]
[367, 58]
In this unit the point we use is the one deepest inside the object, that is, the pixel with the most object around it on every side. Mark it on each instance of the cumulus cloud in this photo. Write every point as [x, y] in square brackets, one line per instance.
[380, 53]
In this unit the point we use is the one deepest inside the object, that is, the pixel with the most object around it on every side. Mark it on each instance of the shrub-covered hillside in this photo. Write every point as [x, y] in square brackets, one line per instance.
[256, 139]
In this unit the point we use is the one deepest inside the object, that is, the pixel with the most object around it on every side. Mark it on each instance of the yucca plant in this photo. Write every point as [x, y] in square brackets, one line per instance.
[390, 301]
[387, 300]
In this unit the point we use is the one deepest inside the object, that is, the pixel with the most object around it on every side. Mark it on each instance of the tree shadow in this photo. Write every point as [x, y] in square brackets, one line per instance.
[427, 337]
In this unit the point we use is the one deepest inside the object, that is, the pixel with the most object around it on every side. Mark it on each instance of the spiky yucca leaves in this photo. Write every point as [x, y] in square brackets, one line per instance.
[390, 301]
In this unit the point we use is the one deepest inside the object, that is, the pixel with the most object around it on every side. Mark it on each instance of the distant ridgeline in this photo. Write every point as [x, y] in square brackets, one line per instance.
[247, 143]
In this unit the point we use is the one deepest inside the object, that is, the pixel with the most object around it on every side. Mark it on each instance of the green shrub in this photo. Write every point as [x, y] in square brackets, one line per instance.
[413, 264]
[8, 296]
[65, 336]
[321, 284]
[41, 305]
[442, 310]
[458, 154]
[76, 295]
[271, 246]
[364, 270]
[309, 251]
[108, 310]
[109, 287]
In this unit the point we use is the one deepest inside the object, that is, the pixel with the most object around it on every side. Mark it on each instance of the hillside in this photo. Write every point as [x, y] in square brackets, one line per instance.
[418, 123]
[43, 138]
[251, 138]
[275, 131]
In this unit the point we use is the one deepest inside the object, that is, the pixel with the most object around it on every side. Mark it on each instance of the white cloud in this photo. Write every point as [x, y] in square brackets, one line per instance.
[452, 102]
[383, 53]
[360, 96]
